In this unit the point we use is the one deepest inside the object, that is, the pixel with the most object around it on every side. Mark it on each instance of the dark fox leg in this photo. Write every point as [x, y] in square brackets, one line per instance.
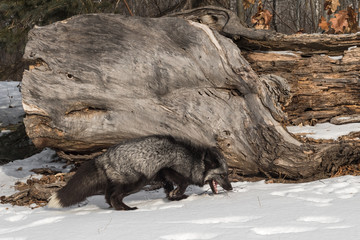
[167, 185]
[168, 188]
[181, 182]
[117, 192]
[178, 193]
[108, 191]
[116, 201]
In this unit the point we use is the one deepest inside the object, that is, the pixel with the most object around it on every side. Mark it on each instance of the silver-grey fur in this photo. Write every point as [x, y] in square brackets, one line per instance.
[127, 167]
[148, 156]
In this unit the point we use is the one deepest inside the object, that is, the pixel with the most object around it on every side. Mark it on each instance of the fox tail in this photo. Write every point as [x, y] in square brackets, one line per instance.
[87, 181]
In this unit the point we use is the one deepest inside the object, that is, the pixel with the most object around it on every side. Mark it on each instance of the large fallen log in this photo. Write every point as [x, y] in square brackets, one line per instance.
[99, 79]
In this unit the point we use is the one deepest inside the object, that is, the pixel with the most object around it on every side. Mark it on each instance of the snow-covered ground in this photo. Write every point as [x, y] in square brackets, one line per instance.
[326, 209]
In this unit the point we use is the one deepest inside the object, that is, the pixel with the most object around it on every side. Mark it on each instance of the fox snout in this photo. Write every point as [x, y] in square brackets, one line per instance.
[222, 180]
[224, 183]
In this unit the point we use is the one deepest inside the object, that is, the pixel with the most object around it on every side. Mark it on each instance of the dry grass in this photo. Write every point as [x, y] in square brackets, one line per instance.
[353, 169]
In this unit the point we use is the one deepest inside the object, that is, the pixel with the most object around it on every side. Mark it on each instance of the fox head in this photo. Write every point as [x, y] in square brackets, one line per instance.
[216, 170]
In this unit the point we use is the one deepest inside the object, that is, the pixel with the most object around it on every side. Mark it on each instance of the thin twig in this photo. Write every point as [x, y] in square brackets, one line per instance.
[127, 6]
[116, 5]
[259, 201]
[279, 17]
[205, 192]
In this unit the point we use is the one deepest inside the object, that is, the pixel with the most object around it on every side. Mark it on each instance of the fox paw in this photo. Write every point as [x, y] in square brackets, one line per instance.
[127, 208]
[131, 208]
[177, 198]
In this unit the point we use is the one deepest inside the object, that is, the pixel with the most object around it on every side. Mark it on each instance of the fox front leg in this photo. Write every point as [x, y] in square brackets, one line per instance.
[168, 188]
[168, 177]
[178, 193]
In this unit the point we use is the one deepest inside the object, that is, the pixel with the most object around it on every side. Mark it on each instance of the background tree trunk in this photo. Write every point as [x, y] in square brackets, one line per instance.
[99, 79]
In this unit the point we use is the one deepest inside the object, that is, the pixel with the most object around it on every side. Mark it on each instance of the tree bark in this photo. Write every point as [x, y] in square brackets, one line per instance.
[323, 88]
[100, 79]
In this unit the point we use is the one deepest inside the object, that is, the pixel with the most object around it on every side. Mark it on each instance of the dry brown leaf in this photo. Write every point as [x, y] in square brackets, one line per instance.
[331, 6]
[248, 3]
[324, 25]
[340, 22]
[353, 23]
[262, 18]
[334, 5]
[345, 21]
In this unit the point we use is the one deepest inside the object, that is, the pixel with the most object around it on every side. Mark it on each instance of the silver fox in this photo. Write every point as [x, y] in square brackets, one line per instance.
[126, 168]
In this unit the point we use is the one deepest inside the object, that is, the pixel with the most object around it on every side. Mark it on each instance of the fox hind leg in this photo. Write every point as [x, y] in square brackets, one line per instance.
[110, 188]
[116, 201]
[116, 192]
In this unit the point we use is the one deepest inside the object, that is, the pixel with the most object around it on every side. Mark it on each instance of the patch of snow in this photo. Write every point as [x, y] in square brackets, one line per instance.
[189, 236]
[289, 53]
[325, 130]
[4, 132]
[351, 48]
[275, 230]
[11, 110]
[319, 219]
[344, 118]
[333, 57]
[336, 57]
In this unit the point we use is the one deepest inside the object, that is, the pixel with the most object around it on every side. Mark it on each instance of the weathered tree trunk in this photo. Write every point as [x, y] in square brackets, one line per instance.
[99, 79]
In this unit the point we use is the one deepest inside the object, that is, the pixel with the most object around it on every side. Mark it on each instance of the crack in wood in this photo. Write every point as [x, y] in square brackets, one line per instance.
[86, 111]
